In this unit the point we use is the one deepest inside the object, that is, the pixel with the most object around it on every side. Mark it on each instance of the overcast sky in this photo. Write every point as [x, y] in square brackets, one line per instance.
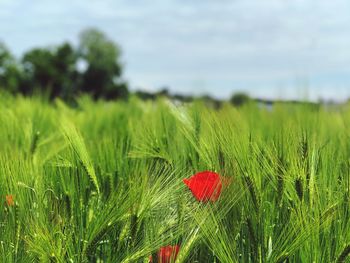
[269, 48]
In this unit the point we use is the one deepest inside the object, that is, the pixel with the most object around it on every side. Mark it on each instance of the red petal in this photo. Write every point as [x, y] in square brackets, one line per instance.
[205, 186]
[186, 181]
[168, 254]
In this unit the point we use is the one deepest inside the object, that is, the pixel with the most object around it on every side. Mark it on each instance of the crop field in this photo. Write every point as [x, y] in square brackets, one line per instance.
[154, 181]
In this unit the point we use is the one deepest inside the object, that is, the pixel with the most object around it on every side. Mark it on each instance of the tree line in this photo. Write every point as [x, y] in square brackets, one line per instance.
[93, 67]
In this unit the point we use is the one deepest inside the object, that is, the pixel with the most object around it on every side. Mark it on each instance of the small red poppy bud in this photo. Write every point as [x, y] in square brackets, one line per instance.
[206, 185]
[9, 200]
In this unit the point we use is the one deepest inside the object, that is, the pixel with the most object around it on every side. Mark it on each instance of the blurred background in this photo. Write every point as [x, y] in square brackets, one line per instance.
[273, 49]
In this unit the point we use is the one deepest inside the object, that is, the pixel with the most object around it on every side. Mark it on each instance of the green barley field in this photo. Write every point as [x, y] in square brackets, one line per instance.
[103, 182]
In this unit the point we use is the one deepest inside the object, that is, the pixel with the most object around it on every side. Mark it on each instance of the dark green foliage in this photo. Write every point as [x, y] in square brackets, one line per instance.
[239, 99]
[55, 72]
[39, 71]
[104, 69]
[10, 73]
[50, 71]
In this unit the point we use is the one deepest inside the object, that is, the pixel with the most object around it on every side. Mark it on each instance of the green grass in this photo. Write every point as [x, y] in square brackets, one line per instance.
[102, 182]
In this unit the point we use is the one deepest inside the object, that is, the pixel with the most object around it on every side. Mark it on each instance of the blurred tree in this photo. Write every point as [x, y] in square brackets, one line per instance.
[211, 102]
[10, 73]
[102, 77]
[164, 92]
[145, 95]
[65, 63]
[39, 71]
[52, 71]
[183, 98]
[239, 99]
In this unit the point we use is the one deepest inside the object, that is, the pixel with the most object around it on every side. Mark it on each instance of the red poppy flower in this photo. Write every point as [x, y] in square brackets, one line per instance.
[9, 200]
[206, 185]
[167, 254]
